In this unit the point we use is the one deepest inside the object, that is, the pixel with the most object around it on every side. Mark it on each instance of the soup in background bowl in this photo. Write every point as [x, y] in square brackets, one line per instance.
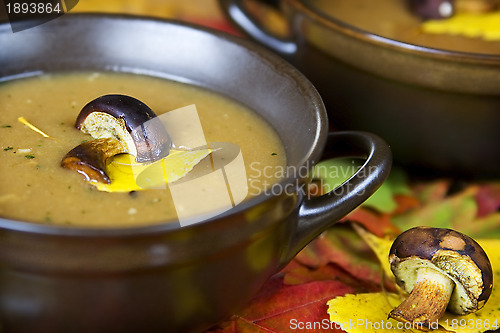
[435, 99]
[395, 20]
[164, 276]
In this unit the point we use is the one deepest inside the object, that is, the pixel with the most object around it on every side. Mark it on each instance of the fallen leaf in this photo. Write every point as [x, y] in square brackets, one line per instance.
[488, 199]
[284, 308]
[302, 274]
[340, 245]
[380, 246]
[429, 192]
[441, 211]
[383, 199]
[365, 313]
[485, 227]
[405, 203]
[127, 175]
[299, 274]
[473, 209]
[473, 25]
[377, 223]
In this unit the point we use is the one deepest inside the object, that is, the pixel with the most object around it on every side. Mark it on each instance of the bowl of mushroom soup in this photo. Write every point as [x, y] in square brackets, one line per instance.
[97, 161]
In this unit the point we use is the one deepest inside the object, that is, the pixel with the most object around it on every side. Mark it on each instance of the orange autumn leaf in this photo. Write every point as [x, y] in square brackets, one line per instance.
[342, 246]
[378, 223]
[405, 203]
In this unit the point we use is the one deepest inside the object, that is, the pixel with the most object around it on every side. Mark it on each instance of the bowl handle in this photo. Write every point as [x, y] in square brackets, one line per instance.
[240, 16]
[316, 214]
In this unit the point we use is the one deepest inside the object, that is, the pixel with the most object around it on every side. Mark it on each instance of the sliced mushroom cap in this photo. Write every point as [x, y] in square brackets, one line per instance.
[119, 124]
[464, 278]
[128, 120]
[89, 158]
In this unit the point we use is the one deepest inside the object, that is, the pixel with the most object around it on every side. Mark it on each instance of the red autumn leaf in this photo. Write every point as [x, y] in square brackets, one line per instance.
[284, 308]
[488, 199]
[342, 246]
[216, 24]
[377, 223]
[302, 274]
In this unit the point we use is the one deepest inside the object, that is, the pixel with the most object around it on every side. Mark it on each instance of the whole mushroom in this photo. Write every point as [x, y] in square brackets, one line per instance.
[441, 269]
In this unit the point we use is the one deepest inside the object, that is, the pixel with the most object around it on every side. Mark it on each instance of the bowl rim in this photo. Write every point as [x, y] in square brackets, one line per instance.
[310, 158]
[345, 28]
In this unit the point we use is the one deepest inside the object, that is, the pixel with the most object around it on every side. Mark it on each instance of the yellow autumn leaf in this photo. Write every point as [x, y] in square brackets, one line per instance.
[379, 246]
[473, 25]
[367, 312]
[127, 175]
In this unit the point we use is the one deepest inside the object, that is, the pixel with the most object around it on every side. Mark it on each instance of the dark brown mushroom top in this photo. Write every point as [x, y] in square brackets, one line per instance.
[432, 9]
[441, 9]
[145, 135]
[444, 248]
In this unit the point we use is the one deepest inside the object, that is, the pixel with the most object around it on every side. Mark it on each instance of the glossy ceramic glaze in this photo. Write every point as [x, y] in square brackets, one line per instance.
[166, 278]
[439, 110]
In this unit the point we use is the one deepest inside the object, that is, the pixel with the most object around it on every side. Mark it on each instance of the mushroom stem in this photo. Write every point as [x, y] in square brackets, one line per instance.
[428, 299]
[89, 158]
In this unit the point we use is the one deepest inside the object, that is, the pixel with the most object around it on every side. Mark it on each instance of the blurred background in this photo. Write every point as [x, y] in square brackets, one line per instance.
[200, 11]
[203, 12]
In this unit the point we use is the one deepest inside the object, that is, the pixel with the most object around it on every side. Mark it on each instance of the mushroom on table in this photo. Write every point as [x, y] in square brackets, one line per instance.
[441, 269]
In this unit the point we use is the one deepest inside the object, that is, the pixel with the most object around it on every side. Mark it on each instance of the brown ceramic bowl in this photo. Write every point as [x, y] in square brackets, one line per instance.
[439, 110]
[167, 278]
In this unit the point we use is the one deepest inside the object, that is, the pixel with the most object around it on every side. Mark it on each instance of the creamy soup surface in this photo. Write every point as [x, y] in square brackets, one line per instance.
[393, 19]
[34, 187]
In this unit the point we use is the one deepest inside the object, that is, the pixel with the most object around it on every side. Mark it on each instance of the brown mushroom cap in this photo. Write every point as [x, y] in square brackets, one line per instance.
[432, 9]
[89, 158]
[456, 254]
[128, 120]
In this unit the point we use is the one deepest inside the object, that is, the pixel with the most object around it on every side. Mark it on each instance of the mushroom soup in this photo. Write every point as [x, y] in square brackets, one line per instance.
[34, 186]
